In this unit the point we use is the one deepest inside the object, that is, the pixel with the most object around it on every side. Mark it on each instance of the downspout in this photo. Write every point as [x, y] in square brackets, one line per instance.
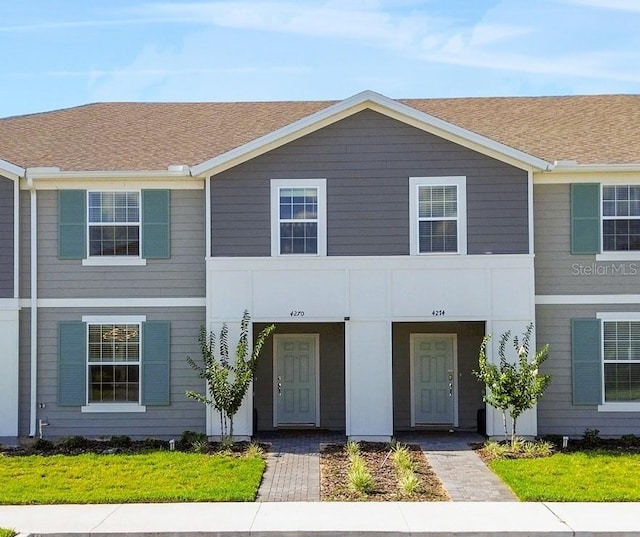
[207, 292]
[16, 239]
[34, 307]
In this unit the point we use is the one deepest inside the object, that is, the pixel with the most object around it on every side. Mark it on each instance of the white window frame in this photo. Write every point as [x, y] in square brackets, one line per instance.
[112, 407]
[321, 186]
[115, 260]
[612, 317]
[414, 185]
[613, 255]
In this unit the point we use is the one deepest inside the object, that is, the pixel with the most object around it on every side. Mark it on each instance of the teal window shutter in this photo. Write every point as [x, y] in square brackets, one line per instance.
[72, 363]
[156, 231]
[585, 218]
[156, 362]
[72, 224]
[586, 362]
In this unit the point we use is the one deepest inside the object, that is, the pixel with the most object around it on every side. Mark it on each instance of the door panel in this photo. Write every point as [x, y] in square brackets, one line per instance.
[433, 382]
[295, 382]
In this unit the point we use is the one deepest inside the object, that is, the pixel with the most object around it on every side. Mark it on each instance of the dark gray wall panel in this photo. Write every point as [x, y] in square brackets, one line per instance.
[367, 160]
[470, 336]
[158, 421]
[332, 380]
[556, 412]
[24, 372]
[183, 275]
[7, 271]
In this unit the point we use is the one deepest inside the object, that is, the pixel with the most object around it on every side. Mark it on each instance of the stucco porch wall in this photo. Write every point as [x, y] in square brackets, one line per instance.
[368, 295]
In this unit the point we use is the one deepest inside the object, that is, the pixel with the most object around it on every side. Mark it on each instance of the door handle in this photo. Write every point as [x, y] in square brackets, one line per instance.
[451, 389]
[279, 386]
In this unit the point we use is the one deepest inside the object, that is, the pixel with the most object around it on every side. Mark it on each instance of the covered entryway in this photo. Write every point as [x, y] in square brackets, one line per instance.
[300, 379]
[433, 373]
[296, 381]
[433, 382]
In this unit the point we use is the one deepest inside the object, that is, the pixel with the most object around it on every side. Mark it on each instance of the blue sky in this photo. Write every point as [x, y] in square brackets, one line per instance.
[62, 53]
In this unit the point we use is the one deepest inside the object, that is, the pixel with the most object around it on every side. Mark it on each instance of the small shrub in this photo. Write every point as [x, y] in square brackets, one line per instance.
[42, 445]
[75, 442]
[120, 441]
[534, 450]
[200, 446]
[408, 482]
[188, 438]
[359, 476]
[630, 440]
[591, 437]
[6, 532]
[254, 450]
[353, 449]
[496, 450]
[401, 457]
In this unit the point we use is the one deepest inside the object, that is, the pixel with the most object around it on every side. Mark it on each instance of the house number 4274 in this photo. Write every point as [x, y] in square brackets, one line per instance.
[296, 313]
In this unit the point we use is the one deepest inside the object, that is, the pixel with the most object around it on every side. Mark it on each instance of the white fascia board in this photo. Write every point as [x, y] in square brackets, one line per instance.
[11, 170]
[601, 173]
[361, 101]
[54, 178]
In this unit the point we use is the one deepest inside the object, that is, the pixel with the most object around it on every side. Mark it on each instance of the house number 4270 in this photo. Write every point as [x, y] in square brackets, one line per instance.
[296, 313]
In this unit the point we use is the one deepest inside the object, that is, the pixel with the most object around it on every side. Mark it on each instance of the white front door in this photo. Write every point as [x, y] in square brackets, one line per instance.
[433, 378]
[295, 382]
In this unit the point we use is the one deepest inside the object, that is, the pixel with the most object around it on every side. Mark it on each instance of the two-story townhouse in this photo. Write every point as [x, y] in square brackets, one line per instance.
[384, 239]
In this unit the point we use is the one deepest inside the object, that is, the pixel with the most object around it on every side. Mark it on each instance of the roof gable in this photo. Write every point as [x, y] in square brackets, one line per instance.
[357, 103]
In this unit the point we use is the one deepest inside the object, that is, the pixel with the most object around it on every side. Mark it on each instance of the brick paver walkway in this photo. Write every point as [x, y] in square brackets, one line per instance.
[293, 466]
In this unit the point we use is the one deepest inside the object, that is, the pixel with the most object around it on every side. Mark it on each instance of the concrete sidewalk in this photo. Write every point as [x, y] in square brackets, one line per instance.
[441, 519]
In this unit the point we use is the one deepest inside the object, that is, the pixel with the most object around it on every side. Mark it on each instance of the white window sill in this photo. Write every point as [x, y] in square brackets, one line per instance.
[618, 256]
[101, 408]
[114, 261]
[619, 407]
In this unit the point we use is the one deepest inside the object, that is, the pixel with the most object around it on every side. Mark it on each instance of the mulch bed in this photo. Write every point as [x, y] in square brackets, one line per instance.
[334, 486]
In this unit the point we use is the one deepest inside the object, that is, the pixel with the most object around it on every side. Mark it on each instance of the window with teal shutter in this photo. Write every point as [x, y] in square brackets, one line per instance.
[72, 363]
[115, 224]
[156, 362]
[586, 361]
[585, 218]
[156, 232]
[72, 224]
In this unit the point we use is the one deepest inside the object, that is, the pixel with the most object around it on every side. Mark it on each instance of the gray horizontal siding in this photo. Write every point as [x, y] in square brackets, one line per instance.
[560, 272]
[6, 238]
[556, 413]
[24, 371]
[183, 275]
[158, 421]
[367, 160]
[25, 245]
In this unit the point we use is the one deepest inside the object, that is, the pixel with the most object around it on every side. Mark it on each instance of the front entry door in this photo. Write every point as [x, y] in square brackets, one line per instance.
[295, 380]
[433, 360]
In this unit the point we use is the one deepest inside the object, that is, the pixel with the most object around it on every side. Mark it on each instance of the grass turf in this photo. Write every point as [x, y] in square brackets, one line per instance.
[162, 476]
[587, 476]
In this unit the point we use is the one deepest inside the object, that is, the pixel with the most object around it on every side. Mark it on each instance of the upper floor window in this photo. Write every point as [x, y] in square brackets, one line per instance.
[114, 223]
[620, 218]
[114, 227]
[298, 217]
[438, 215]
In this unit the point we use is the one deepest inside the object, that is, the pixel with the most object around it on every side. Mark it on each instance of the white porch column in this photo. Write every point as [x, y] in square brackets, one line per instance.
[369, 381]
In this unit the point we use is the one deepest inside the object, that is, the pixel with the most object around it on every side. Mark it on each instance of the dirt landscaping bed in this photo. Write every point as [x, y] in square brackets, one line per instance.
[334, 485]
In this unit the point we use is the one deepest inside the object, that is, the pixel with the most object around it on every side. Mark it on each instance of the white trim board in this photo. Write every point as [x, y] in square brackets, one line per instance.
[196, 302]
[586, 299]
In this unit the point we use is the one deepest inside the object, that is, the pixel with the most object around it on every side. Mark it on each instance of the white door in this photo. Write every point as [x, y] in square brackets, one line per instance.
[433, 378]
[295, 382]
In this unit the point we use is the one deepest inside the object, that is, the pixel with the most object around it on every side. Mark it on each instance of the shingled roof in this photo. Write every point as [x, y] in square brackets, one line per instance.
[602, 129]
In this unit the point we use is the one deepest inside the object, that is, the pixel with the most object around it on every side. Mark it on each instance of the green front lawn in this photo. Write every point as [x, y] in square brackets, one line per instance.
[161, 476]
[586, 476]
